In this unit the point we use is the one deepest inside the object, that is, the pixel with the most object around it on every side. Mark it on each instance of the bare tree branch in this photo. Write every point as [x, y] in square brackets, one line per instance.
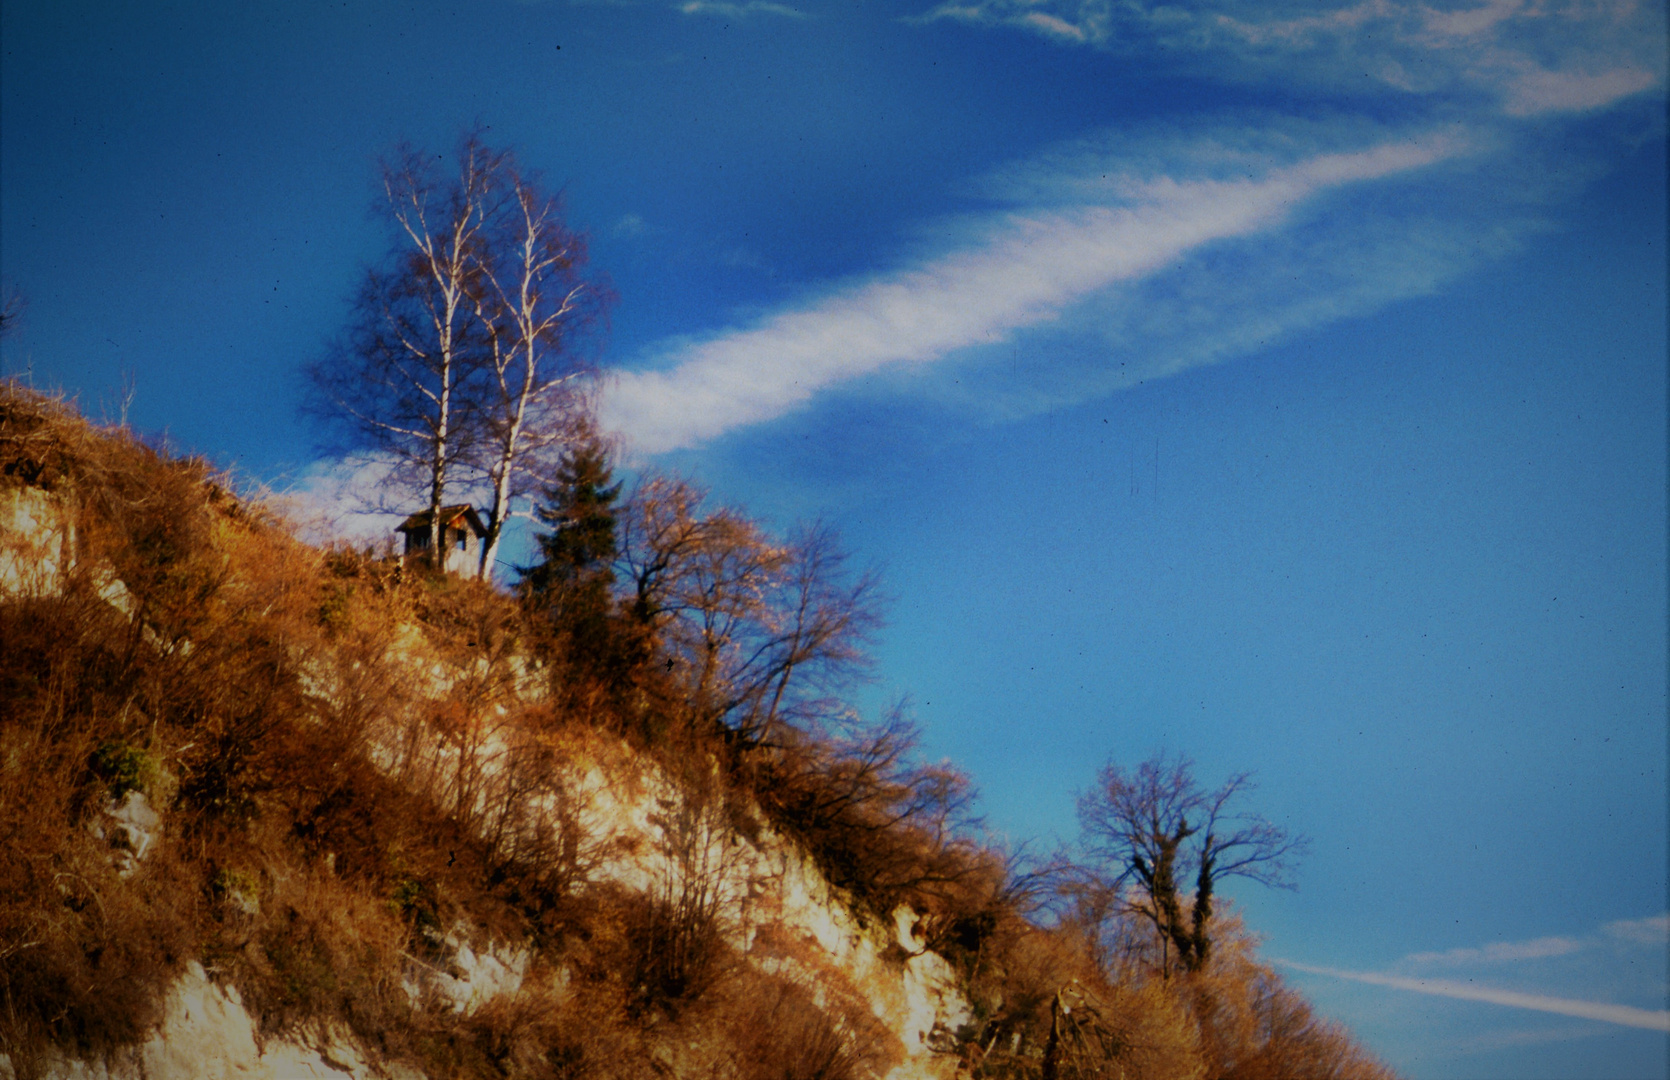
[1156, 827]
[761, 631]
[399, 381]
[538, 310]
[465, 357]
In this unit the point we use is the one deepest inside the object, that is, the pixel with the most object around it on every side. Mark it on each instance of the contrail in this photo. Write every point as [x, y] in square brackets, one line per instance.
[1629, 1016]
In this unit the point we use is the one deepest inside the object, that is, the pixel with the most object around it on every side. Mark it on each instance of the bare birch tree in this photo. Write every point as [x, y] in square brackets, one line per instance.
[537, 309]
[463, 361]
[398, 381]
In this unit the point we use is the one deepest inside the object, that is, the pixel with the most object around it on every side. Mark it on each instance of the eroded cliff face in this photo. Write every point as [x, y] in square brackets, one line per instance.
[642, 832]
[776, 908]
[778, 912]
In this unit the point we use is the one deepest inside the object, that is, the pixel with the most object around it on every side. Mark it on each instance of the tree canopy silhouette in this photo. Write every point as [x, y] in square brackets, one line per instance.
[1155, 827]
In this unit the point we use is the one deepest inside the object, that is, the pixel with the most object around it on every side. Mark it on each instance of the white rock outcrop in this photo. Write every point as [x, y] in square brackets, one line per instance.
[130, 826]
[206, 1034]
[468, 979]
[778, 908]
[37, 545]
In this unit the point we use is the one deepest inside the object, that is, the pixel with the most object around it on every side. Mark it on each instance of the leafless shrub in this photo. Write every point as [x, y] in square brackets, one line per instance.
[678, 928]
[752, 633]
[778, 1030]
[880, 824]
[1254, 1027]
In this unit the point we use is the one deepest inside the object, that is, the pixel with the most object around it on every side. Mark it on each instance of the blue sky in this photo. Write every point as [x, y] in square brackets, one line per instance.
[1280, 384]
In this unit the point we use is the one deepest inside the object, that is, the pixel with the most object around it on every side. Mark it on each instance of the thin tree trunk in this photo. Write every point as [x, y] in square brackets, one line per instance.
[1052, 1046]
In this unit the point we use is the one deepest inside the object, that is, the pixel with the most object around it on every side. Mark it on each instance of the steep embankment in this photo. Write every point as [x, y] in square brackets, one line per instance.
[271, 811]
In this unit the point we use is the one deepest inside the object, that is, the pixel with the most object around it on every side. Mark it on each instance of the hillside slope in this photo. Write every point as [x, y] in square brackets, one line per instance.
[271, 811]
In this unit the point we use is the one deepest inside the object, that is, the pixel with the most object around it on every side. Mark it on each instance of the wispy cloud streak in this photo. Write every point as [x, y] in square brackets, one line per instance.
[1654, 930]
[1650, 932]
[1028, 268]
[1626, 1015]
[727, 10]
[1532, 58]
[1500, 952]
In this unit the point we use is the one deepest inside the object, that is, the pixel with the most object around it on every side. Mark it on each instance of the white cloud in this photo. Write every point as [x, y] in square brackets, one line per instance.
[1538, 90]
[630, 225]
[1533, 58]
[1329, 261]
[346, 499]
[1499, 952]
[1612, 955]
[727, 10]
[1488, 1041]
[1023, 270]
[1653, 930]
[1626, 1015]
[1306, 30]
[1470, 22]
[1058, 27]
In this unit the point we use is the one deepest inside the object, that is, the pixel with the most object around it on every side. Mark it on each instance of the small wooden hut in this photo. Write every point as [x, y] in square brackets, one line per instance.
[462, 535]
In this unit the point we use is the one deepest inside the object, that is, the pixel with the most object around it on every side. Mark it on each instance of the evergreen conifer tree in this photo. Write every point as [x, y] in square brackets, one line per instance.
[572, 585]
[576, 567]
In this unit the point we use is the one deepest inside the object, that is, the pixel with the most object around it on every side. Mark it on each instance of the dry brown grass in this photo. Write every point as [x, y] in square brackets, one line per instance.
[336, 793]
[777, 1028]
[240, 683]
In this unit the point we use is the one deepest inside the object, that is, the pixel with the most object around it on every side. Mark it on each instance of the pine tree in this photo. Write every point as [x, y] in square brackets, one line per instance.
[576, 569]
[572, 586]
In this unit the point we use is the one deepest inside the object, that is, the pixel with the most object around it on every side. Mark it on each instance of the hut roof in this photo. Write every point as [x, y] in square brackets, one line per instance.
[451, 517]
